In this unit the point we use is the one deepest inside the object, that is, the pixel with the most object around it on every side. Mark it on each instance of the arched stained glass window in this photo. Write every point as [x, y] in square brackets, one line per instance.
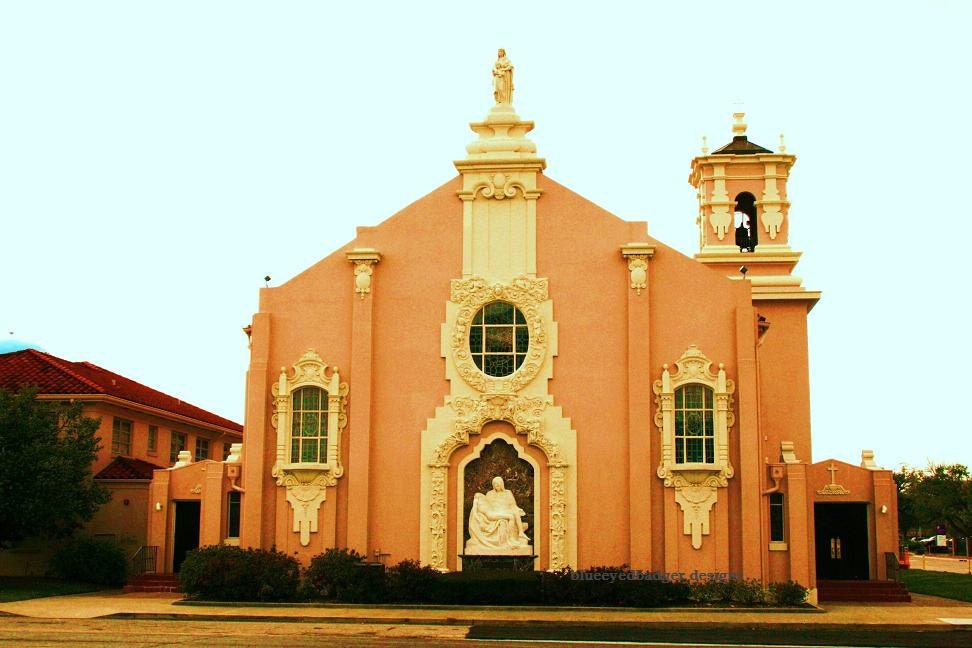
[498, 339]
[694, 425]
[308, 429]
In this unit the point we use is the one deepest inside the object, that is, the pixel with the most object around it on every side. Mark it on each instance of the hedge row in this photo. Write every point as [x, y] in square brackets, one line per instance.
[221, 573]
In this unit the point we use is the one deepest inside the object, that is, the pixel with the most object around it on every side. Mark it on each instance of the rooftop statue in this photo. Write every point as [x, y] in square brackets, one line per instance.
[503, 79]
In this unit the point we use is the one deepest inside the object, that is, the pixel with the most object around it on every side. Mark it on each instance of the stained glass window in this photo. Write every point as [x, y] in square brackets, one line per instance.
[694, 425]
[308, 428]
[499, 338]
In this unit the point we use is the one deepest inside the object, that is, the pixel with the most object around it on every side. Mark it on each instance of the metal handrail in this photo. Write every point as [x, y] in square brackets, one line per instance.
[144, 560]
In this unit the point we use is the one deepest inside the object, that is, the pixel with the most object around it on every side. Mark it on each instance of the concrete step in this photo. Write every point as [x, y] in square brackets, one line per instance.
[857, 590]
[153, 583]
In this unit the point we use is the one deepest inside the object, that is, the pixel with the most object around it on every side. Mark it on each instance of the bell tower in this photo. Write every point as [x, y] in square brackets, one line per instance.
[744, 225]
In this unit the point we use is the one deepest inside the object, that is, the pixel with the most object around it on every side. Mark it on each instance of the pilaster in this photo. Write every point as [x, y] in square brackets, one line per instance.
[359, 434]
[750, 458]
[211, 508]
[637, 257]
[798, 523]
[258, 452]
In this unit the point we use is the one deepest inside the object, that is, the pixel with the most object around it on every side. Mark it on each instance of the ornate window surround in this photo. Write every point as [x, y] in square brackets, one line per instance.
[521, 452]
[307, 483]
[472, 294]
[696, 484]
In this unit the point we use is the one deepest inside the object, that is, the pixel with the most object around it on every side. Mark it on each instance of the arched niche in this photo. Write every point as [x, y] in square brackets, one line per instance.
[499, 455]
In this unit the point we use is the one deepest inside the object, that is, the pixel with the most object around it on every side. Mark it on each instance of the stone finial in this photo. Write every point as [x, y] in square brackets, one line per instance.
[739, 128]
[867, 460]
[235, 453]
[782, 144]
[184, 459]
[705, 145]
[502, 79]
[788, 453]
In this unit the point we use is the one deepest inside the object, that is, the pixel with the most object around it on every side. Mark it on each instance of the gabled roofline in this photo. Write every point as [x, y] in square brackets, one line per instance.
[114, 400]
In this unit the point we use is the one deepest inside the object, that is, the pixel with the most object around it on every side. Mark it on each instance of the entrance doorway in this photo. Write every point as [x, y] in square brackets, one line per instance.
[185, 534]
[841, 541]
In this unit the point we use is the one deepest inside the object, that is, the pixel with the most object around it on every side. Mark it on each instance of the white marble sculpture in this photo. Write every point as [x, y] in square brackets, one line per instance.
[496, 526]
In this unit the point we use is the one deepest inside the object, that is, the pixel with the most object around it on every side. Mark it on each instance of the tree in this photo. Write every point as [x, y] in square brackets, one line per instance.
[46, 452]
[941, 494]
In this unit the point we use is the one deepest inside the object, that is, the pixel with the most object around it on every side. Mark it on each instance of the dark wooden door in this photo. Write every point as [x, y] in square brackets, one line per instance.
[841, 541]
[185, 532]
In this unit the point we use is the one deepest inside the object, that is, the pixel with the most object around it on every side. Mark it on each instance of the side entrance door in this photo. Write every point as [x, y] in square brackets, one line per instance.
[186, 531]
[841, 541]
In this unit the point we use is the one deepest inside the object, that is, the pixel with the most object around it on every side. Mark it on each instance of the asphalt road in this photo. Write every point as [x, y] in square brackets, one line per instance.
[140, 633]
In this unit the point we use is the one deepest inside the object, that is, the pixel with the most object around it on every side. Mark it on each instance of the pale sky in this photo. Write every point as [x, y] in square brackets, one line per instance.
[157, 159]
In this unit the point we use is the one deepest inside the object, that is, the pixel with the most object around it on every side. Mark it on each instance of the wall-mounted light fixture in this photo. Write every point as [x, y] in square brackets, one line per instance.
[158, 506]
[884, 508]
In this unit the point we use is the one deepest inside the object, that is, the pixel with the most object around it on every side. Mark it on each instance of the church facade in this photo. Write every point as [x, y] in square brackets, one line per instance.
[504, 371]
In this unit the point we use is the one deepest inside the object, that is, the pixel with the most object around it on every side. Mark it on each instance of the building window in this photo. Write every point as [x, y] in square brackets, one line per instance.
[153, 439]
[498, 339]
[308, 425]
[226, 451]
[776, 518]
[745, 219]
[202, 449]
[177, 445]
[233, 515]
[121, 437]
[694, 425]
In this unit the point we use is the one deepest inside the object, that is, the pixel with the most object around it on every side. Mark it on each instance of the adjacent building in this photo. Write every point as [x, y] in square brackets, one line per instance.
[141, 430]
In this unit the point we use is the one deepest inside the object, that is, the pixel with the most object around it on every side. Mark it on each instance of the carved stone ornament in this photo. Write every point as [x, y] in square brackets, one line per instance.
[638, 267]
[307, 483]
[696, 484]
[499, 186]
[364, 260]
[362, 277]
[525, 414]
[720, 219]
[772, 220]
[471, 294]
[833, 488]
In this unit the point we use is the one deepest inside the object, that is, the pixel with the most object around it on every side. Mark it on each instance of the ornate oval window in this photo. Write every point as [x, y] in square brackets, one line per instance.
[499, 338]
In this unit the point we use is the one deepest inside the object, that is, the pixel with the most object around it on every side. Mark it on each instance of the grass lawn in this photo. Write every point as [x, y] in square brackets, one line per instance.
[944, 584]
[19, 588]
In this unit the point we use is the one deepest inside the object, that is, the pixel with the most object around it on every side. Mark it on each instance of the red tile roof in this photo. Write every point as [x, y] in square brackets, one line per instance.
[127, 468]
[53, 375]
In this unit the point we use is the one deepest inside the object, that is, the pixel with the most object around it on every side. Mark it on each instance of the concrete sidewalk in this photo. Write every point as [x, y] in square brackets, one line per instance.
[923, 611]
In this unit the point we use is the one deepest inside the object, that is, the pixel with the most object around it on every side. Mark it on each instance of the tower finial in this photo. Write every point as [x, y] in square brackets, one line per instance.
[705, 145]
[782, 144]
[502, 79]
[739, 128]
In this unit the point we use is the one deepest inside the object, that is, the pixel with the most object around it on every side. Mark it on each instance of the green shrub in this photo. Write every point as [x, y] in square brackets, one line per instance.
[487, 588]
[410, 582]
[342, 575]
[610, 586]
[99, 561]
[788, 593]
[746, 592]
[222, 573]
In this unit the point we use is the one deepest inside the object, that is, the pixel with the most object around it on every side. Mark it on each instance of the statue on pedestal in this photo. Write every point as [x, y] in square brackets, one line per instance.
[502, 79]
[496, 525]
